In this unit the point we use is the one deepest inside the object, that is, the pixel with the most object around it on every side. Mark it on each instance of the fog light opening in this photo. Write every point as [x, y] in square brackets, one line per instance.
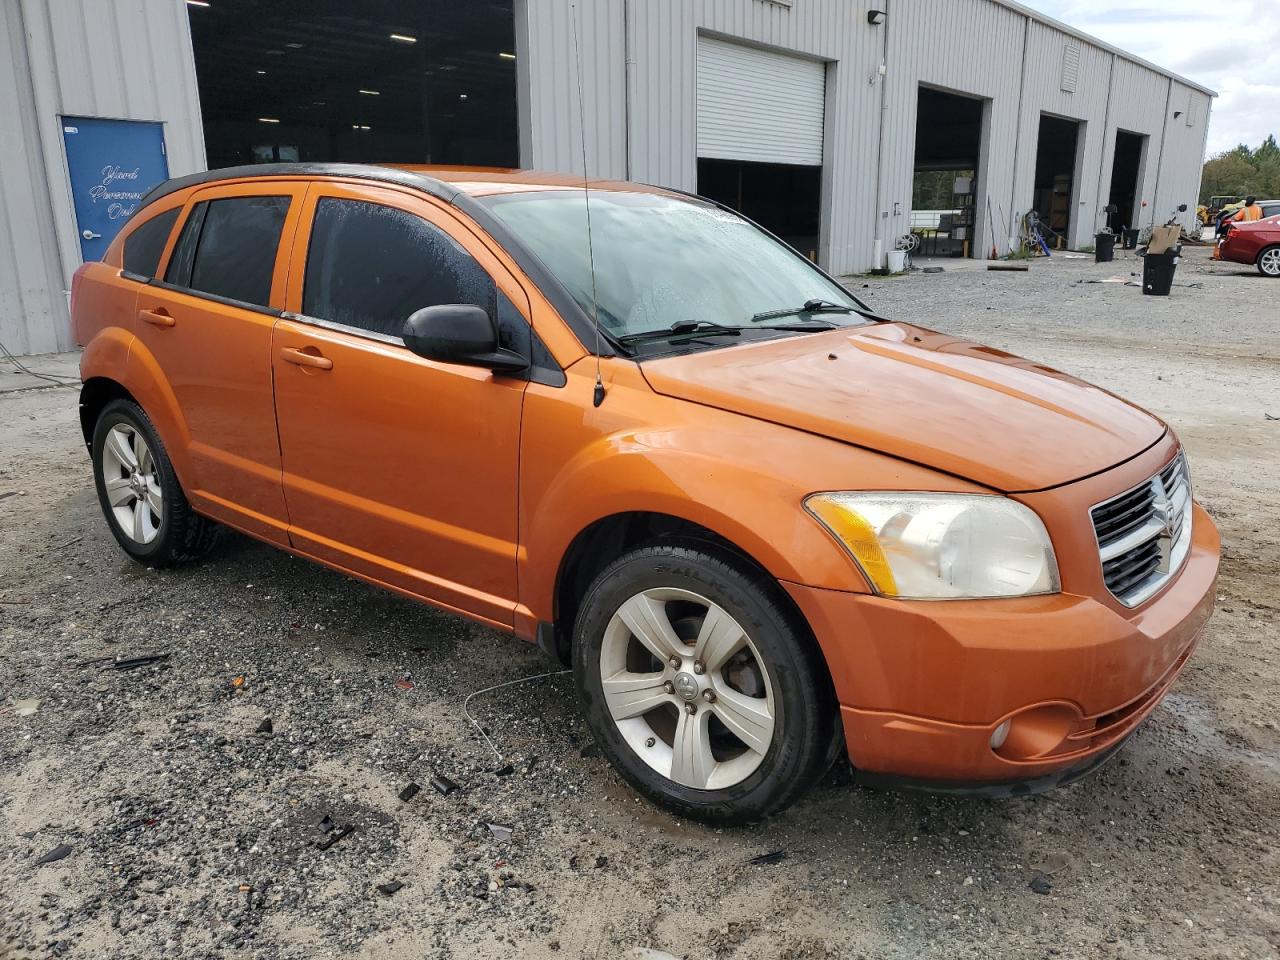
[999, 735]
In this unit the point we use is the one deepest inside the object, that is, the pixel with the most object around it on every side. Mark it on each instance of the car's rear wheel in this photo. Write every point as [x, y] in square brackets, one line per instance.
[139, 492]
[1269, 262]
[699, 684]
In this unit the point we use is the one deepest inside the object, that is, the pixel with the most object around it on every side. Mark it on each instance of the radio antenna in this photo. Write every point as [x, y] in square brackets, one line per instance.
[598, 397]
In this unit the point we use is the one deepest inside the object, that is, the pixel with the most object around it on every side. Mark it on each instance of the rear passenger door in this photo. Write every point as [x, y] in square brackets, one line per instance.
[398, 468]
[206, 324]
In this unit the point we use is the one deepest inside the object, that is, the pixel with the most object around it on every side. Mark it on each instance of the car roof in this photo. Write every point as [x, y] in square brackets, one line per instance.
[486, 181]
[448, 183]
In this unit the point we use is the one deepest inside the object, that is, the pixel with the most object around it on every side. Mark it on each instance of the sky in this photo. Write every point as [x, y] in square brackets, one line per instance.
[1231, 46]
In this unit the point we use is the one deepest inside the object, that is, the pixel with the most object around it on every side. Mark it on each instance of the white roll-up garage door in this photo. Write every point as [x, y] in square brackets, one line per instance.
[758, 105]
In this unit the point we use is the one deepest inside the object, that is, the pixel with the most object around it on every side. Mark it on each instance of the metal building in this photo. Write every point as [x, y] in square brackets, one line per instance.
[62, 61]
[672, 85]
[842, 125]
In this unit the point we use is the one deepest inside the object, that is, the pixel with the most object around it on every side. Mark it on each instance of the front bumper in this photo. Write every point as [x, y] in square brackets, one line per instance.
[924, 685]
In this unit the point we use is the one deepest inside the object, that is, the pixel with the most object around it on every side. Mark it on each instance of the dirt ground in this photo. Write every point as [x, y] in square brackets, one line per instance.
[193, 835]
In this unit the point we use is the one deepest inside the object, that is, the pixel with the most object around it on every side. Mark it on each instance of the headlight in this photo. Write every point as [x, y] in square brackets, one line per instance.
[933, 546]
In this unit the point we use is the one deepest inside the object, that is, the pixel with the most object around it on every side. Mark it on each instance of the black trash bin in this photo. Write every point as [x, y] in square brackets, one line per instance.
[1104, 248]
[1131, 239]
[1157, 272]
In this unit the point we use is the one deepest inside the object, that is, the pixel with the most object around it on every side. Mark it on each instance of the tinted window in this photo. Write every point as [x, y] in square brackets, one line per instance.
[184, 251]
[235, 253]
[144, 245]
[371, 266]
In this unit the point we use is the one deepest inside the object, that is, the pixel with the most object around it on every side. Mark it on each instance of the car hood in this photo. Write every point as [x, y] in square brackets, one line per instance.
[936, 400]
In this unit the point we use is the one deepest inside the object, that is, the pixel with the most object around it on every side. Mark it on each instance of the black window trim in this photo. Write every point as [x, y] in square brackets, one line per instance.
[214, 298]
[197, 206]
[549, 373]
[547, 283]
[361, 332]
[200, 209]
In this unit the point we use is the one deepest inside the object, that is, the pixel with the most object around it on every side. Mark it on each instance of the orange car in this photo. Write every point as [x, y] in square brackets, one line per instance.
[762, 523]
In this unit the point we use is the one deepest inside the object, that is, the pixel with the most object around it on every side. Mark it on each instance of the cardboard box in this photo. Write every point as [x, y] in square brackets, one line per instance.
[1163, 238]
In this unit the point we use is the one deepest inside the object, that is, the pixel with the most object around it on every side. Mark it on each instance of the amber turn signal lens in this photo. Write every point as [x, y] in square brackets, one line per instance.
[859, 538]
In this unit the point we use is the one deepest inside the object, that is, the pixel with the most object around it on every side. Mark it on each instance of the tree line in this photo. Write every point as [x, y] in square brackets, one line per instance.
[1242, 172]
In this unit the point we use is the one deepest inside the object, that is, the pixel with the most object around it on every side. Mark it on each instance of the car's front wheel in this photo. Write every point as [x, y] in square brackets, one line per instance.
[700, 685]
[139, 491]
[1269, 262]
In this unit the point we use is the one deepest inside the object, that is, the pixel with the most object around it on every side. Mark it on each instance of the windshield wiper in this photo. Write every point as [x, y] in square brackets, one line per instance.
[683, 328]
[800, 326]
[810, 306]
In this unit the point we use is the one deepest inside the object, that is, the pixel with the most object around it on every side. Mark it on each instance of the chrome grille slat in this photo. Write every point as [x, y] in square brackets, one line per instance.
[1115, 526]
[1144, 533]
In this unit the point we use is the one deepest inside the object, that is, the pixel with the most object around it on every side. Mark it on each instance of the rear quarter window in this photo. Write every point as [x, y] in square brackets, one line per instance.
[145, 244]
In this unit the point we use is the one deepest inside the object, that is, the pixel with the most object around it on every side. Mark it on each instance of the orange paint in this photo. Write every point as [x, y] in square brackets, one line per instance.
[467, 488]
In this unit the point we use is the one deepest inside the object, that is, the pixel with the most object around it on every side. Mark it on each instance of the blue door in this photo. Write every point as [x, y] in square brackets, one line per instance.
[112, 164]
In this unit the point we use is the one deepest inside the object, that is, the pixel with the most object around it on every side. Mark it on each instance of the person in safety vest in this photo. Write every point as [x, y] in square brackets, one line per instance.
[1249, 213]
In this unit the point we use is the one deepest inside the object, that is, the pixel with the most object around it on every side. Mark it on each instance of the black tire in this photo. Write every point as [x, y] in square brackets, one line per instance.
[805, 731]
[181, 534]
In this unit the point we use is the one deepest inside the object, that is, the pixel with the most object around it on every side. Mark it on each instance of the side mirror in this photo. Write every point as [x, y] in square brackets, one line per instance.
[459, 333]
[1182, 209]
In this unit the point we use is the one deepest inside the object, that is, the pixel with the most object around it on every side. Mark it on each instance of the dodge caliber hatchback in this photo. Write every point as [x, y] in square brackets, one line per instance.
[763, 524]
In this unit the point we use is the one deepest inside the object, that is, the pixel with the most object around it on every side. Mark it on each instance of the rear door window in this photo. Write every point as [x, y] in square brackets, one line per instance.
[228, 248]
[143, 247]
[370, 266]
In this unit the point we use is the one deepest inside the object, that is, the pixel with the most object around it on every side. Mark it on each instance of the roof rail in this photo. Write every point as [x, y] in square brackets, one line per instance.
[355, 171]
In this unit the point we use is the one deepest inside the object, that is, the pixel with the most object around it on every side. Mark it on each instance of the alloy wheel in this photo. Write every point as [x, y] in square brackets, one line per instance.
[132, 484]
[687, 689]
[1269, 262]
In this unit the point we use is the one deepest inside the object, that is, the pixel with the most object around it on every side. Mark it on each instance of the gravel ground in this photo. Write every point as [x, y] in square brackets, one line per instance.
[194, 831]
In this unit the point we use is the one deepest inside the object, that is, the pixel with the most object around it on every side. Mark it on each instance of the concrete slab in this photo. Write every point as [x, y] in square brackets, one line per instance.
[34, 373]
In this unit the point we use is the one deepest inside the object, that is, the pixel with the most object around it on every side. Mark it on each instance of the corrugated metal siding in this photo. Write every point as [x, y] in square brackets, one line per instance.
[128, 60]
[1178, 179]
[968, 47]
[1043, 93]
[30, 277]
[663, 57]
[760, 106]
[994, 51]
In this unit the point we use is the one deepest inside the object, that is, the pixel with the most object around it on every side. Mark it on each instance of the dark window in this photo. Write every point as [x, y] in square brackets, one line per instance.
[184, 251]
[145, 244]
[235, 251]
[371, 266]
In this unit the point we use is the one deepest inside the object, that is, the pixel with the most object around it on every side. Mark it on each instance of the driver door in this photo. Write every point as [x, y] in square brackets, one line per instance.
[398, 468]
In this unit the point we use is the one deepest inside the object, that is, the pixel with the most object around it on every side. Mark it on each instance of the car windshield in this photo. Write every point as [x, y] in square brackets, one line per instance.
[664, 262]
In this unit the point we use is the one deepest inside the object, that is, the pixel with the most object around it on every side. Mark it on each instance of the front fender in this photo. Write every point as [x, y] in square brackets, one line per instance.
[742, 478]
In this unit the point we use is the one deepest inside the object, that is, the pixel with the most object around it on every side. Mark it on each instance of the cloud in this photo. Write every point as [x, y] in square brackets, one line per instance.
[1232, 46]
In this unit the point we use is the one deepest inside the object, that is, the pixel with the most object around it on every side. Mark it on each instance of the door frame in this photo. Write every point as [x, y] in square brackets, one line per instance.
[443, 592]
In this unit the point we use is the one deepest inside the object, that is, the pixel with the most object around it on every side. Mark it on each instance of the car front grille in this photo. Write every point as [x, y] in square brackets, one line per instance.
[1144, 533]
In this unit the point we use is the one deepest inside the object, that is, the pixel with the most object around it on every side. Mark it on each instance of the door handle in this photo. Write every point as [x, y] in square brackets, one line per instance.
[305, 359]
[158, 317]
[90, 235]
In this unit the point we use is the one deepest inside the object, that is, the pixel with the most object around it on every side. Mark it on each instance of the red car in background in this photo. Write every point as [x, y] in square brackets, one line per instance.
[1257, 243]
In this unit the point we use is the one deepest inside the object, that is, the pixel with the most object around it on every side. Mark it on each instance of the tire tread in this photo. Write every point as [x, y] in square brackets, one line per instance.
[817, 739]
